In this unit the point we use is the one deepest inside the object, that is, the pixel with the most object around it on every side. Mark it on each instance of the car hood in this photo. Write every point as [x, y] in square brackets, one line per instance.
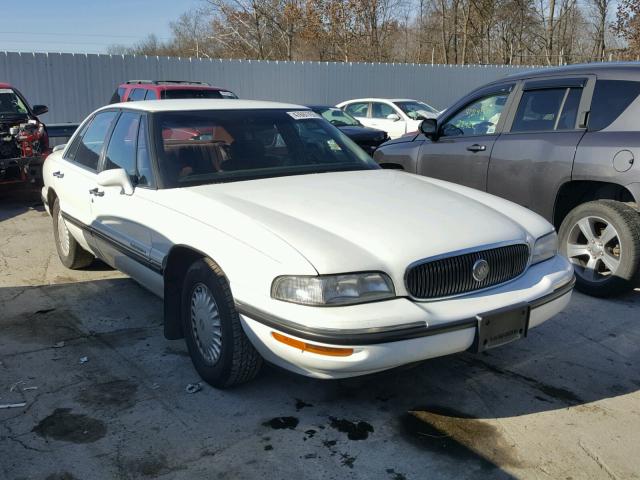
[364, 134]
[362, 220]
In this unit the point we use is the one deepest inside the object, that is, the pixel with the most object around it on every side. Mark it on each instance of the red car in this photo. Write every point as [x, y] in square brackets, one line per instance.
[24, 142]
[135, 90]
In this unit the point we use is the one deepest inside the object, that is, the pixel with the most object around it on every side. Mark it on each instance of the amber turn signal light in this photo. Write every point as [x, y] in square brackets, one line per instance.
[310, 347]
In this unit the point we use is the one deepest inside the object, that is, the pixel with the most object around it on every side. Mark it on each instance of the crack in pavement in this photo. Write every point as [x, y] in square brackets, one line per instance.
[593, 456]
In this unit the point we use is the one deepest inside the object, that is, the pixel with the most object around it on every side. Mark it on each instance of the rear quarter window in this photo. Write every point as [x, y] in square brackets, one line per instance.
[117, 96]
[610, 99]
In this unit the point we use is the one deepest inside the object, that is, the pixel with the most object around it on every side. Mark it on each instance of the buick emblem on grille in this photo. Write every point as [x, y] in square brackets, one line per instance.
[480, 270]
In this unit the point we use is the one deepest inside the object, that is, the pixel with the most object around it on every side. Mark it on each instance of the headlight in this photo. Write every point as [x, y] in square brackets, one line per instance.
[344, 289]
[545, 248]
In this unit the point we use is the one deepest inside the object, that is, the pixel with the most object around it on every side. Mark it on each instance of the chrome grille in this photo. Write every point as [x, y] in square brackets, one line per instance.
[453, 275]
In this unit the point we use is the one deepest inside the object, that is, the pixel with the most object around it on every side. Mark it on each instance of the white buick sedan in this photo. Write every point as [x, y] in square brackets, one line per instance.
[270, 235]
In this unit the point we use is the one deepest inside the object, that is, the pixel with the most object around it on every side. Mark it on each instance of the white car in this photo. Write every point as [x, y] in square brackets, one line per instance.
[396, 116]
[270, 235]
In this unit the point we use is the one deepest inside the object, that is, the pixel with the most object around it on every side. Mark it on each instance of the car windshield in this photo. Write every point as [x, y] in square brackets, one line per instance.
[11, 104]
[215, 146]
[195, 93]
[337, 117]
[416, 110]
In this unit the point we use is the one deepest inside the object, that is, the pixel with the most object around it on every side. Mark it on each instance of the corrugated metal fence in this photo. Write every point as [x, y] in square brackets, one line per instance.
[72, 85]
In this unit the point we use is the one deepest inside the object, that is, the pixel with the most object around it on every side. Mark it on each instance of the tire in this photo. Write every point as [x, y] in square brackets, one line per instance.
[602, 240]
[221, 352]
[71, 254]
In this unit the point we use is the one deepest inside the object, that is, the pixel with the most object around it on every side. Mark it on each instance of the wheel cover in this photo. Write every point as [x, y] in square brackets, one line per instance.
[594, 248]
[63, 235]
[206, 323]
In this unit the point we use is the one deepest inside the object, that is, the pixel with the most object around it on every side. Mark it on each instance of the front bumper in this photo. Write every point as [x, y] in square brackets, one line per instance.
[21, 169]
[446, 327]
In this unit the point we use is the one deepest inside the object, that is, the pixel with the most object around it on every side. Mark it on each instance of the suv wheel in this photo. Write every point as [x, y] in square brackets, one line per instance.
[71, 254]
[221, 352]
[602, 241]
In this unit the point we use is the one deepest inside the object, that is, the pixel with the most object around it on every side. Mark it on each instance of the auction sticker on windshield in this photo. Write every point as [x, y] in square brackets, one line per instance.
[303, 115]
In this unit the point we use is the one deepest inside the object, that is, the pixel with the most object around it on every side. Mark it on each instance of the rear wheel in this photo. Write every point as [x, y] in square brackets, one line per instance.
[602, 241]
[221, 352]
[71, 254]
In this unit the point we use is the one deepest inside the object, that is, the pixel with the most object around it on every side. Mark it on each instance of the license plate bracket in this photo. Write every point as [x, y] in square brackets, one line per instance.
[500, 327]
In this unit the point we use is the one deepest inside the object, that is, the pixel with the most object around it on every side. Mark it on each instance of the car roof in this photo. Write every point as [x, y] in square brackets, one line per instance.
[609, 68]
[313, 107]
[152, 86]
[378, 99]
[202, 104]
[5, 85]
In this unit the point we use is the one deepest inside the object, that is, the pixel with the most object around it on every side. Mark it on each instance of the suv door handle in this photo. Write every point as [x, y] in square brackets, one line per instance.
[477, 148]
[58, 174]
[96, 192]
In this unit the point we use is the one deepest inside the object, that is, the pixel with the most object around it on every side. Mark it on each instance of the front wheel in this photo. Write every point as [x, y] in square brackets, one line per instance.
[71, 254]
[602, 241]
[221, 352]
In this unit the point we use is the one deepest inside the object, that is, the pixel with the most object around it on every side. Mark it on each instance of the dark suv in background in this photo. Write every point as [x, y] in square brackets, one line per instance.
[562, 142]
[135, 90]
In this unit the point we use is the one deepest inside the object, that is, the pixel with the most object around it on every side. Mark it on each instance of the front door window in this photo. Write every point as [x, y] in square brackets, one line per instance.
[478, 118]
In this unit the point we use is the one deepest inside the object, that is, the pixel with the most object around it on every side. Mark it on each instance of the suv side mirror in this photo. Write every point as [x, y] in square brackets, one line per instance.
[116, 177]
[393, 116]
[39, 109]
[429, 128]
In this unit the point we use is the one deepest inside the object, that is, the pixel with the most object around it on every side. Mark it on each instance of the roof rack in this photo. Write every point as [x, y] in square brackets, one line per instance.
[166, 82]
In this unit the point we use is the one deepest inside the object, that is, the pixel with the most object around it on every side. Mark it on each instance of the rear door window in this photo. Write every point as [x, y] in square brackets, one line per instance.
[90, 146]
[547, 110]
[151, 95]
[137, 94]
[381, 110]
[610, 99]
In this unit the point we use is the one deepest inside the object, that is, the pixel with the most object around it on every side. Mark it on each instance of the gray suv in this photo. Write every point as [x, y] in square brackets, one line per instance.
[562, 142]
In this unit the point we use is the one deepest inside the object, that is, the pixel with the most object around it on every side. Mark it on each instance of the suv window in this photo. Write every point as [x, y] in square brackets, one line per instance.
[136, 94]
[92, 141]
[117, 95]
[145, 172]
[381, 110]
[357, 109]
[190, 93]
[610, 99]
[478, 118]
[540, 110]
[150, 95]
[121, 152]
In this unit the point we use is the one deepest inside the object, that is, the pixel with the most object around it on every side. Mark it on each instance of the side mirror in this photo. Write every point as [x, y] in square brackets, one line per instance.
[393, 116]
[39, 109]
[57, 148]
[116, 177]
[429, 128]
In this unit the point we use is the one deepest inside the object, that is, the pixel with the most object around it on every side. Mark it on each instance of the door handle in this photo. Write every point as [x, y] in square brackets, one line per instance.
[477, 148]
[58, 174]
[96, 192]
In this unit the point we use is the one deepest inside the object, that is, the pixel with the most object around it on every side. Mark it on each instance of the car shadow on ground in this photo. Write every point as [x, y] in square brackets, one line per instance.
[446, 406]
[17, 199]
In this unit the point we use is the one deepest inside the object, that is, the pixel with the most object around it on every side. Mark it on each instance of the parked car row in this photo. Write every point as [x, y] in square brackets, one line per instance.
[318, 260]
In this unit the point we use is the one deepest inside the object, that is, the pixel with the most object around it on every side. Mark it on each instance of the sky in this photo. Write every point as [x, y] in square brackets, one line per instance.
[88, 26]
